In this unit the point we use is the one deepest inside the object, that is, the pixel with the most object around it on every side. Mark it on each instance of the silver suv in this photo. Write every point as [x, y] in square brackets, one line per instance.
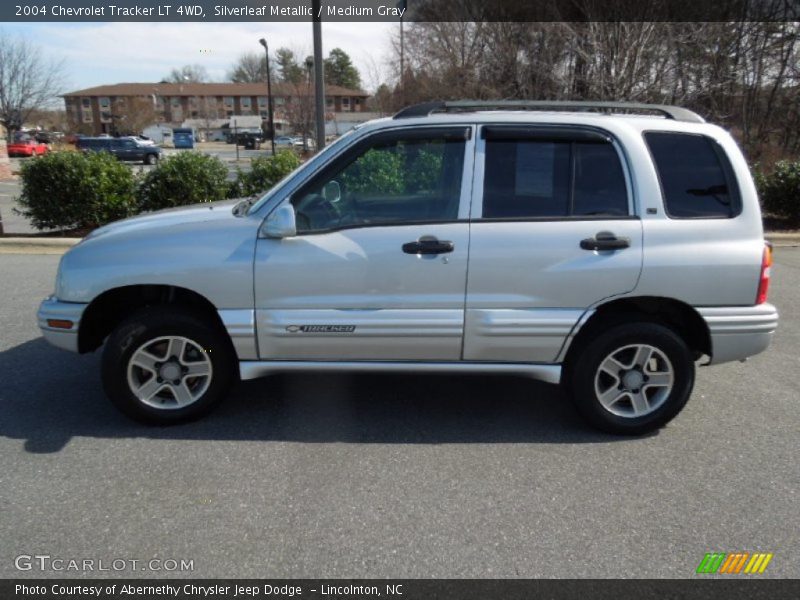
[604, 247]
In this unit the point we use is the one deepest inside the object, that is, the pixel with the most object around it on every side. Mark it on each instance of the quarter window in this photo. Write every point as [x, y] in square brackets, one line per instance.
[393, 180]
[697, 180]
[532, 178]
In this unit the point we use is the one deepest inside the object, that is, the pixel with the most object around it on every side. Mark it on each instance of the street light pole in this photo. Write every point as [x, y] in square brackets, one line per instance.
[263, 42]
[307, 114]
[402, 5]
[319, 76]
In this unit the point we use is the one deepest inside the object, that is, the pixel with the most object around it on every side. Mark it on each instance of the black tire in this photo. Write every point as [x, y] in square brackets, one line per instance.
[148, 325]
[150, 159]
[583, 368]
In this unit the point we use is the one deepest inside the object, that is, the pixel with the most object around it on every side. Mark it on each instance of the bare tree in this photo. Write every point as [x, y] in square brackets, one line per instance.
[298, 108]
[188, 74]
[744, 75]
[27, 81]
[249, 68]
[132, 115]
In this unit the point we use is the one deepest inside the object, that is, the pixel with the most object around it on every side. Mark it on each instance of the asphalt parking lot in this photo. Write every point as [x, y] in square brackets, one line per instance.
[393, 476]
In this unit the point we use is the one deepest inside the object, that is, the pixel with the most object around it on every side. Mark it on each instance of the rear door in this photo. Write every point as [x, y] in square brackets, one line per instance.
[553, 231]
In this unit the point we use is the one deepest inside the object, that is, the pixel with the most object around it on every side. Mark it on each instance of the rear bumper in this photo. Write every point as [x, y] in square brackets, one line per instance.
[740, 331]
[52, 309]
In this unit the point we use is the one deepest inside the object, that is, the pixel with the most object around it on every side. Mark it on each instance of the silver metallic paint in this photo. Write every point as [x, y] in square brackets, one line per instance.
[710, 263]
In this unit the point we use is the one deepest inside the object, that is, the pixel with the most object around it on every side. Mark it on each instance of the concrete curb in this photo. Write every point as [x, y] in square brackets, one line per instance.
[783, 239]
[36, 245]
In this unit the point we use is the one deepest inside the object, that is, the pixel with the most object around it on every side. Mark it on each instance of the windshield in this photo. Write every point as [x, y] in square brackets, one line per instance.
[320, 156]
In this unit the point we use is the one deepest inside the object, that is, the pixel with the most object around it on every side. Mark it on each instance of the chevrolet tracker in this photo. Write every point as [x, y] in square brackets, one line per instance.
[605, 247]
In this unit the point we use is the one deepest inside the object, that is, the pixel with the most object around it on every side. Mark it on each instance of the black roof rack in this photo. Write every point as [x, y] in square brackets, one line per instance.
[675, 113]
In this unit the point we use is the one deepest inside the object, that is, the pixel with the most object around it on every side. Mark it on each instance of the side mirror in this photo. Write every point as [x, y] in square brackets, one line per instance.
[332, 192]
[281, 223]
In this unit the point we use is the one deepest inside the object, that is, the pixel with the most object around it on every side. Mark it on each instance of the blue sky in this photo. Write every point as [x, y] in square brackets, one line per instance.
[103, 53]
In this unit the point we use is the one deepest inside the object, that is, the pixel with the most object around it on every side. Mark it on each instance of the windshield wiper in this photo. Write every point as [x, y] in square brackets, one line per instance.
[715, 191]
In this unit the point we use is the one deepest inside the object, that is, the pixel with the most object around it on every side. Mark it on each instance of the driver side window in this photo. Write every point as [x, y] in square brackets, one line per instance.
[393, 180]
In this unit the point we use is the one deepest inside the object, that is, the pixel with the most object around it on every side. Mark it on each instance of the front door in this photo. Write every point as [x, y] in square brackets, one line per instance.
[554, 231]
[378, 268]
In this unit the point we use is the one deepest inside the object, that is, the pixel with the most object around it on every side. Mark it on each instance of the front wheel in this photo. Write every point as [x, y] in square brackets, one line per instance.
[150, 159]
[632, 378]
[165, 366]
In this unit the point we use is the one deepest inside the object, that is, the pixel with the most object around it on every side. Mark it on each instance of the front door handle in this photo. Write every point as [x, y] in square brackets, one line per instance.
[428, 246]
[605, 240]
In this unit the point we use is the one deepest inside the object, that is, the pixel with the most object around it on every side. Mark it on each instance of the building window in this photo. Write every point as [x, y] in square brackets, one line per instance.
[86, 110]
[105, 109]
[228, 101]
[328, 102]
[346, 104]
[176, 110]
[262, 101]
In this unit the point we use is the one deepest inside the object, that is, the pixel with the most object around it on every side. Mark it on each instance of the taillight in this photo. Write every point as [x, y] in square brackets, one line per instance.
[763, 283]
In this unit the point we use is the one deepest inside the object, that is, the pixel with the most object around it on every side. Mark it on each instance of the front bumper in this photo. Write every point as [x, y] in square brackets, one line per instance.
[51, 309]
[738, 332]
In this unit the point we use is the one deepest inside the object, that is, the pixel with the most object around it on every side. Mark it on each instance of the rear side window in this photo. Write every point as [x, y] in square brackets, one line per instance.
[697, 180]
[533, 178]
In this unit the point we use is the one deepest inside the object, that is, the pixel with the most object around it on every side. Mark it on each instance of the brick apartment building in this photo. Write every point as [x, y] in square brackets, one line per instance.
[127, 106]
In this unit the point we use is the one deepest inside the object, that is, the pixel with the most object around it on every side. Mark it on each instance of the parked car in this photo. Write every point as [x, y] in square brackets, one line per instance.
[27, 147]
[183, 137]
[248, 139]
[48, 137]
[308, 143]
[124, 148]
[284, 140]
[604, 247]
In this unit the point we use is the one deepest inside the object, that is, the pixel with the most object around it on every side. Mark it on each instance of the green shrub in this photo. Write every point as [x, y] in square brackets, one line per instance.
[779, 191]
[69, 190]
[427, 171]
[376, 172]
[185, 178]
[264, 173]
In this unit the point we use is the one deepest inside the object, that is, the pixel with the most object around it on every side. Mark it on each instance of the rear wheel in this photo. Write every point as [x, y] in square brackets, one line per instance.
[150, 159]
[632, 378]
[166, 366]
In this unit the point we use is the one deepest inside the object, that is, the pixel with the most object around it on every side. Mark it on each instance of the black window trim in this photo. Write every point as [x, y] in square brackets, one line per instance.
[553, 133]
[727, 171]
[573, 134]
[455, 132]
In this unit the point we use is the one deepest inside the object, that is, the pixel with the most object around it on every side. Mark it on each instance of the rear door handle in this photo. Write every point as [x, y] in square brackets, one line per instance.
[605, 240]
[428, 246]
